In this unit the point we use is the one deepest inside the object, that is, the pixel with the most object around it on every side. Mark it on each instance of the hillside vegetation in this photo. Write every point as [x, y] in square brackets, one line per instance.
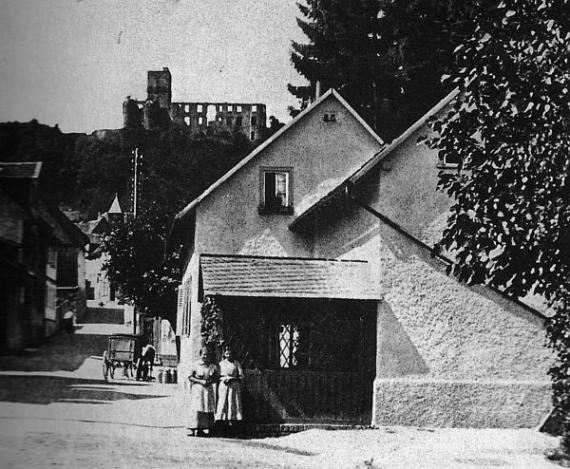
[83, 172]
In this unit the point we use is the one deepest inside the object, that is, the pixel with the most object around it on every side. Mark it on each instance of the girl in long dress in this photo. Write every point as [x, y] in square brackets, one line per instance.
[229, 410]
[202, 395]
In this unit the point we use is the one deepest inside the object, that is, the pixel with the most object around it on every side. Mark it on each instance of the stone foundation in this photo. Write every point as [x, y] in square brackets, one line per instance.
[460, 403]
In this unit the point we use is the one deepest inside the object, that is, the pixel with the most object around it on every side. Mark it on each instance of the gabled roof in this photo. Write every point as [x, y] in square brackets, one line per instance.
[20, 170]
[290, 277]
[66, 231]
[115, 206]
[274, 137]
[372, 162]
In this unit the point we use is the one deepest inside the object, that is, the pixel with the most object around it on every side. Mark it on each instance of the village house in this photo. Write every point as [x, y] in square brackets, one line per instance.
[100, 291]
[41, 258]
[103, 298]
[317, 250]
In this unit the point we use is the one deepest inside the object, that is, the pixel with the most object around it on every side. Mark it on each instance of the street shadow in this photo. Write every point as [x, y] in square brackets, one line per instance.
[63, 352]
[37, 389]
[283, 449]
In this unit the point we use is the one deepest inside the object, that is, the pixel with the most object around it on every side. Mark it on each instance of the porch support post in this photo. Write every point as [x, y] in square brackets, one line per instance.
[374, 418]
[195, 336]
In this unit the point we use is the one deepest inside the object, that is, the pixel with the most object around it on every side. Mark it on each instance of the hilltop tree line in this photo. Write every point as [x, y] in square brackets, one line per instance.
[83, 172]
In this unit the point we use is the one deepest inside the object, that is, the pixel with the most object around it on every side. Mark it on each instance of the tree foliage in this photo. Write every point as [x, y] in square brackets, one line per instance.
[212, 325]
[138, 264]
[83, 172]
[509, 130]
[174, 170]
[341, 51]
[385, 57]
[421, 36]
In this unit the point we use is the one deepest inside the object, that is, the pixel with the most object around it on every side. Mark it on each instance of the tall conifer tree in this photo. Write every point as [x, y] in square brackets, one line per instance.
[385, 57]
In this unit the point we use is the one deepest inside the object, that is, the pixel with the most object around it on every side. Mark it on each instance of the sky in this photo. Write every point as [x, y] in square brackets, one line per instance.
[73, 62]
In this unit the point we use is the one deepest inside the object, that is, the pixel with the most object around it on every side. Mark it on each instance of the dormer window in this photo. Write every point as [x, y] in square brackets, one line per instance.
[276, 191]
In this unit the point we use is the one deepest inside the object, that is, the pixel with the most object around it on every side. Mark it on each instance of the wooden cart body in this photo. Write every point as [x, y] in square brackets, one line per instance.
[123, 350]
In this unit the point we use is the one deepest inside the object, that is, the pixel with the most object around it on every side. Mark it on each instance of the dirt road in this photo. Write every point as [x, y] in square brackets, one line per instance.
[57, 411]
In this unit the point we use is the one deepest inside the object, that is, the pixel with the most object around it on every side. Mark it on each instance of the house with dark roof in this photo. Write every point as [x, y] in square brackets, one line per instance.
[104, 302]
[100, 291]
[317, 250]
[41, 259]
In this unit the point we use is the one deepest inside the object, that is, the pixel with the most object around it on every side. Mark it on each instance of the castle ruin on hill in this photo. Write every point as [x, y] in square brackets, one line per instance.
[159, 112]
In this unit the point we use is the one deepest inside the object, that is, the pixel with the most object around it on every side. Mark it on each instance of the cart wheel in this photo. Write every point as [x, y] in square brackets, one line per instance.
[105, 366]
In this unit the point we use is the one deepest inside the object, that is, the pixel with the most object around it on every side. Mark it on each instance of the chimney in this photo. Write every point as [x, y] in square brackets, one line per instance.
[317, 90]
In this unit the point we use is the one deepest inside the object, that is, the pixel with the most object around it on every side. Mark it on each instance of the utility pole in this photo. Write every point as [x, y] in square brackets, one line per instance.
[136, 181]
[135, 152]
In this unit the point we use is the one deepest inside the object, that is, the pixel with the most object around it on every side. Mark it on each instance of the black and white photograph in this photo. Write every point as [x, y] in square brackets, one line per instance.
[285, 234]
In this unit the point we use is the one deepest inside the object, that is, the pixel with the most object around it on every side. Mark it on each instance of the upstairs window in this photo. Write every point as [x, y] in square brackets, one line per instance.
[276, 191]
[330, 116]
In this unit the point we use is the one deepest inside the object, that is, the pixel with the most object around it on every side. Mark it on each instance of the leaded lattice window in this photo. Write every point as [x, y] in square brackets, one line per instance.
[288, 345]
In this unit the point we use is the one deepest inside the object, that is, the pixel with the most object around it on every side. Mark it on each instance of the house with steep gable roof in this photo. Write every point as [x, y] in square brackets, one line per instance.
[41, 260]
[317, 249]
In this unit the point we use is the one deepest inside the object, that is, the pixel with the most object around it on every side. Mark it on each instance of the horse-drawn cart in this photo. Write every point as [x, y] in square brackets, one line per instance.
[123, 350]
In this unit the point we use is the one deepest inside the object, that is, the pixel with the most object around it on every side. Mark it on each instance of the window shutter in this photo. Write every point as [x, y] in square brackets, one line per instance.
[180, 299]
[180, 309]
[186, 306]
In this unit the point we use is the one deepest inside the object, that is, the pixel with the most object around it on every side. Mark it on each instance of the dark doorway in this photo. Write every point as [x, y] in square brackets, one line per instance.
[305, 360]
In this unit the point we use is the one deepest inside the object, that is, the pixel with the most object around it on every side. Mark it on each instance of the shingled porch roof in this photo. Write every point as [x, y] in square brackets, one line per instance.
[233, 275]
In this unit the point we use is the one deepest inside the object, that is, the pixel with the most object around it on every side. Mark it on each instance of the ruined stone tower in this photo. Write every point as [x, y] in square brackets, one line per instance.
[158, 111]
[159, 87]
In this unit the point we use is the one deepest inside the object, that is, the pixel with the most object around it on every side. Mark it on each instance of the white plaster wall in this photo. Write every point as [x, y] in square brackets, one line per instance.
[319, 154]
[483, 358]
[447, 354]
[406, 190]
[460, 332]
